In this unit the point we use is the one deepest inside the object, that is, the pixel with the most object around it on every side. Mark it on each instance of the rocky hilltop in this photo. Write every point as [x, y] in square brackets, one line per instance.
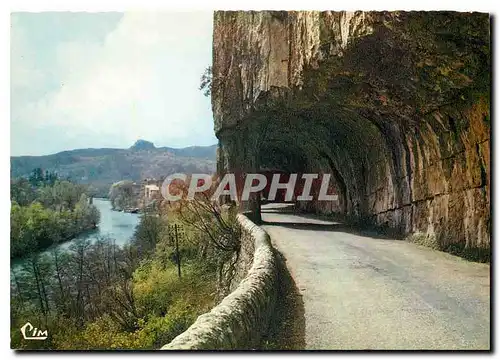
[103, 167]
[395, 105]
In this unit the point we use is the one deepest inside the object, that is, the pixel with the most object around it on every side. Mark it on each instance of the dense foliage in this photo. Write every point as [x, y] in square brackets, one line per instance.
[102, 296]
[46, 210]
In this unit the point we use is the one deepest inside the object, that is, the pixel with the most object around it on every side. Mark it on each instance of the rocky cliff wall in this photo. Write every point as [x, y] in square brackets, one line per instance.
[394, 105]
[243, 317]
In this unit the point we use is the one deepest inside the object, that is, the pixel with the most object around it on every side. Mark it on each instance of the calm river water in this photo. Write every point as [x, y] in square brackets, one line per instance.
[114, 224]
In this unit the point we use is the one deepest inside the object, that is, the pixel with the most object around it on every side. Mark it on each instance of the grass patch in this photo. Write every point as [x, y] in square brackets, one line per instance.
[477, 254]
[427, 240]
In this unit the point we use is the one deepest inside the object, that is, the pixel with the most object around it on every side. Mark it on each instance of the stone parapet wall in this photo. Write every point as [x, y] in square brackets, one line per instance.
[243, 316]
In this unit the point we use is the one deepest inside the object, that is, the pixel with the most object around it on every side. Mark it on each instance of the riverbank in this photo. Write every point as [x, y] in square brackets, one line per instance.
[118, 226]
[104, 296]
[85, 232]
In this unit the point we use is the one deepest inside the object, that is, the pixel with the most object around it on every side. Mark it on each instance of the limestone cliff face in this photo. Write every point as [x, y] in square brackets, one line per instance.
[256, 51]
[394, 105]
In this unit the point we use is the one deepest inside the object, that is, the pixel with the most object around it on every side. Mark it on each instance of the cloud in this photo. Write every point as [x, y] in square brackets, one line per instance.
[24, 73]
[141, 81]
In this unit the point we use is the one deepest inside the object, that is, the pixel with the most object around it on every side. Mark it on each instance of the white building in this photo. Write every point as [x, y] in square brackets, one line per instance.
[151, 190]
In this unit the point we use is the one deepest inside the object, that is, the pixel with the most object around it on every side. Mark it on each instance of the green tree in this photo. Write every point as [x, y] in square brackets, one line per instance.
[67, 194]
[121, 195]
[36, 177]
[206, 81]
[148, 233]
[21, 191]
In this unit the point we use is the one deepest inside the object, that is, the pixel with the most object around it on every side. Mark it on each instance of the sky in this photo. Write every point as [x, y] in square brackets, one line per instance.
[91, 80]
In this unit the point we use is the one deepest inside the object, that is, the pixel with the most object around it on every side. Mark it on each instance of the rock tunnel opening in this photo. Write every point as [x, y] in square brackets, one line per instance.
[314, 140]
[396, 109]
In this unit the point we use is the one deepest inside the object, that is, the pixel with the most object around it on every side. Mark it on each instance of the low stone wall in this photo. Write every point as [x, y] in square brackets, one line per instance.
[243, 316]
[243, 263]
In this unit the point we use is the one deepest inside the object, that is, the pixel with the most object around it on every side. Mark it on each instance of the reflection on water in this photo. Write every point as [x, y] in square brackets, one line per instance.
[116, 225]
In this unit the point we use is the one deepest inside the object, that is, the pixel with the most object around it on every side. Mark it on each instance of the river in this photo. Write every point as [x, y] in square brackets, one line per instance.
[114, 224]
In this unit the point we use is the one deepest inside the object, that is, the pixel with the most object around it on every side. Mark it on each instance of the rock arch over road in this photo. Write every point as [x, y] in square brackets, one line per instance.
[395, 105]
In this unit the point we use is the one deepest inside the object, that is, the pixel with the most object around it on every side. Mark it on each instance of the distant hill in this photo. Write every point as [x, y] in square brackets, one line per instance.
[102, 167]
[143, 145]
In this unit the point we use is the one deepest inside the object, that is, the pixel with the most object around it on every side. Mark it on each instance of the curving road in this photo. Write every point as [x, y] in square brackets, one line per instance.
[363, 292]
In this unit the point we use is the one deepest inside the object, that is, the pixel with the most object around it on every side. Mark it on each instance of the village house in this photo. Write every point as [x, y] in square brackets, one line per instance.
[151, 191]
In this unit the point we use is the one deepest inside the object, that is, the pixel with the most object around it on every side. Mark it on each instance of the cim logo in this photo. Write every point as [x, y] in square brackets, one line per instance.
[32, 333]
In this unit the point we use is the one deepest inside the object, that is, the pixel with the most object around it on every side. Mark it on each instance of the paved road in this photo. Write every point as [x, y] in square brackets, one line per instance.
[362, 292]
